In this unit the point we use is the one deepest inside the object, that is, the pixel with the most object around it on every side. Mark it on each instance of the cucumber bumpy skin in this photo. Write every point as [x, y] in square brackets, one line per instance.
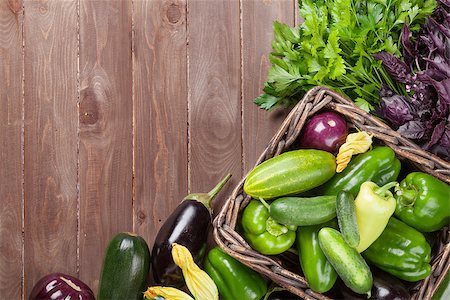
[303, 211]
[290, 173]
[346, 215]
[348, 263]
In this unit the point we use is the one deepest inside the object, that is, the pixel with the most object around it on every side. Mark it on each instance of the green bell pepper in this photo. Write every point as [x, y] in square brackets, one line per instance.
[319, 273]
[401, 251]
[378, 165]
[423, 202]
[263, 233]
[234, 279]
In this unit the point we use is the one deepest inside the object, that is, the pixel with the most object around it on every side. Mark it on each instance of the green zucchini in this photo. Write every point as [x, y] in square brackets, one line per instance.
[303, 211]
[290, 173]
[348, 263]
[346, 215]
[125, 268]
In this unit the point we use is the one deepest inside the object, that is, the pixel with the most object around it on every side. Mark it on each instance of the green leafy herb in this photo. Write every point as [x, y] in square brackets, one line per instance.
[334, 46]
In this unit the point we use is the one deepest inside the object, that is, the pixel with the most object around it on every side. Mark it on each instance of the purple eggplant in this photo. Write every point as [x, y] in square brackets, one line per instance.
[385, 287]
[187, 225]
[58, 286]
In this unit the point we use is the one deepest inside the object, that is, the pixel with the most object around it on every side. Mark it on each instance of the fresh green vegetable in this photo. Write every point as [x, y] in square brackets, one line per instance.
[263, 233]
[334, 46]
[374, 206]
[234, 279]
[423, 202]
[401, 251]
[346, 215]
[378, 165]
[318, 271]
[303, 211]
[290, 173]
[348, 263]
[125, 268]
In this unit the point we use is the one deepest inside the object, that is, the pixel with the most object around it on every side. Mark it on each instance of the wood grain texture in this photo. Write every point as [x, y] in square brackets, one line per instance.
[257, 35]
[50, 142]
[215, 92]
[160, 112]
[105, 117]
[11, 64]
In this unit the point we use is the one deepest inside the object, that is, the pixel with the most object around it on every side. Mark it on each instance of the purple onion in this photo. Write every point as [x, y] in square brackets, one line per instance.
[58, 286]
[325, 131]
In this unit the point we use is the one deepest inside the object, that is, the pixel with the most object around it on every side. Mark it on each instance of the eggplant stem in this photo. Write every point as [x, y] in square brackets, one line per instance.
[207, 198]
[213, 193]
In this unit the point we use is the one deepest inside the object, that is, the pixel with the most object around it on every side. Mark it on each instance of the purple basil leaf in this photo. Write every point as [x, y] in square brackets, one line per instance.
[409, 50]
[395, 67]
[438, 131]
[413, 129]
[442, 147]
[443, 89]
[445, 31]
[395, 108]
[427, 76]
[440, 65]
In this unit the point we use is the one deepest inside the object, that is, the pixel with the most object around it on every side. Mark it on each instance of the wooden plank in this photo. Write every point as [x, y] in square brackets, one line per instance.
[11, 109]
[214, 101]
[257, 34]
[50, 142]
[105, 156]
[160, 112]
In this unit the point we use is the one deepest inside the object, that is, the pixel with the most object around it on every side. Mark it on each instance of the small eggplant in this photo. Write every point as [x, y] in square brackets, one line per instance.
[283, 295]
[58, 286]
[187, 225]
[385, 287]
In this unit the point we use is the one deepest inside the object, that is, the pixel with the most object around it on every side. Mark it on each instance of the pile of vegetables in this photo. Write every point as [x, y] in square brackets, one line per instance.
[390, 56]
[345, 224]
[354, 229]
[341, 202]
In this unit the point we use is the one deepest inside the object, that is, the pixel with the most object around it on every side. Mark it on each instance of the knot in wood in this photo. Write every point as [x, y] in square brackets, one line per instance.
[15, 6]
[141, 215]
[173, 13]
[89, 113]
[43, 8]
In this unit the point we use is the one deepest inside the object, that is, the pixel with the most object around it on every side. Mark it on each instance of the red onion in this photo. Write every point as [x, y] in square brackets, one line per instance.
[58, 286]
[325, 131]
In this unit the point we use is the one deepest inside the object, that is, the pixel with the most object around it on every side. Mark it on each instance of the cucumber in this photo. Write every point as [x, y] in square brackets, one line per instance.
[346, 215]
[303, 211]
[290, 173]
[125, 268]
[348, 263]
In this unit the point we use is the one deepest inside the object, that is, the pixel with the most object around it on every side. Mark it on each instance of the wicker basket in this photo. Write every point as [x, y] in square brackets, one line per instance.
[276, 267]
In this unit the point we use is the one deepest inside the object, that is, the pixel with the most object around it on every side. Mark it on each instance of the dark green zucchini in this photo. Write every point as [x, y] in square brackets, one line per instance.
[125, 268]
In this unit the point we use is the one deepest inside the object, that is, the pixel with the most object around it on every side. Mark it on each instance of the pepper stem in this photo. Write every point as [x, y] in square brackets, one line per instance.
[207, 198]
[407, 197]
[264, 203]
[381, 191]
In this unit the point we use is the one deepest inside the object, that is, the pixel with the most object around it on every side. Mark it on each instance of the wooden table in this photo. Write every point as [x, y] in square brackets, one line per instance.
[112, 111]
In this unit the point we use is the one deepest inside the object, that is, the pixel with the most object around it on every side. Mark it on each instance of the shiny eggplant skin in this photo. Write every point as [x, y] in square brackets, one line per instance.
[188, 225]
[282, 295]
[385, 287]
[58, 286]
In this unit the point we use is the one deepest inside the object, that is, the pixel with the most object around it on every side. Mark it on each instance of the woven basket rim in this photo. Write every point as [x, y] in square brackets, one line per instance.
[318, 98]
